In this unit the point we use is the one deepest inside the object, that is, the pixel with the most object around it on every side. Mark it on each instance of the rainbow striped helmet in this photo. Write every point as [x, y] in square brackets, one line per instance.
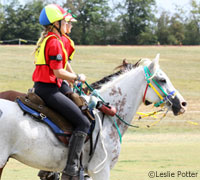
[52, 13]
[70, 17]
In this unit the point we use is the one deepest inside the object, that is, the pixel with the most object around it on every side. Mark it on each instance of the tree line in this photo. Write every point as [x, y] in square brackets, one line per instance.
[130, 22]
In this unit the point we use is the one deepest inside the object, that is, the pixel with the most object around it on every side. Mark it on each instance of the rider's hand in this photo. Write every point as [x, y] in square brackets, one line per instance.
[81, 78]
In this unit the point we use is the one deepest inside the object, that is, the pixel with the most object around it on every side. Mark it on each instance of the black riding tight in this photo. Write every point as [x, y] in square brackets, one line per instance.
[55, 98]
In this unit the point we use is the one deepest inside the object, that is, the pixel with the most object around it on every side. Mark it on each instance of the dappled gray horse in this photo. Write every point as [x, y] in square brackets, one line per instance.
[27, 140]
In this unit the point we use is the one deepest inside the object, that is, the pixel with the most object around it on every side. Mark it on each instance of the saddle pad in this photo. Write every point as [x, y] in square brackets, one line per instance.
[41, 117]
[34, 102]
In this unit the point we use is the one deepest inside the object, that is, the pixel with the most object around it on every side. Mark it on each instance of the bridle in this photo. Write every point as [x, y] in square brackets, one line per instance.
[149, 79]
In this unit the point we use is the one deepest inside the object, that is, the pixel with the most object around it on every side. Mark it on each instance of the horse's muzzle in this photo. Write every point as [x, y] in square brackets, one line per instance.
[183, 107]
[178, 106]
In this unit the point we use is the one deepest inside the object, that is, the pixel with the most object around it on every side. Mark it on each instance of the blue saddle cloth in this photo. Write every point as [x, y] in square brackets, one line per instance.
[41, 117]
[46, 120]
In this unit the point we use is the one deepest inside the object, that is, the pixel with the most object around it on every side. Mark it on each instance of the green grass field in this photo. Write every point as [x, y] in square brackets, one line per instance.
[172, 145]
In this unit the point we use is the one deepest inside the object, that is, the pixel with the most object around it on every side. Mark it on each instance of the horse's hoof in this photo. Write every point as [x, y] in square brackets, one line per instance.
[46, 175]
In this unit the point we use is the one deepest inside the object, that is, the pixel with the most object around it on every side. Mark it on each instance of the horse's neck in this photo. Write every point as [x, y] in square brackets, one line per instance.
[125, 93]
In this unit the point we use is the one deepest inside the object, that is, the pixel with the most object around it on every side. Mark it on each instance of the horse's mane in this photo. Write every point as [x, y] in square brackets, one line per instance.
[125, 67]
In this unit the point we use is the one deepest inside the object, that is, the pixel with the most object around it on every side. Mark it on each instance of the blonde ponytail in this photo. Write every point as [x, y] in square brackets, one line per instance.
[44, 33]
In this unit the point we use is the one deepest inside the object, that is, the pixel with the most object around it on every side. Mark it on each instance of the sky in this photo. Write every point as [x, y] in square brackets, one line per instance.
[170, 5]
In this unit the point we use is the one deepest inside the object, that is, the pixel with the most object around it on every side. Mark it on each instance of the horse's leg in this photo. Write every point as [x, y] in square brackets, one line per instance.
[47, 175]
[1, 170]
[3, 160]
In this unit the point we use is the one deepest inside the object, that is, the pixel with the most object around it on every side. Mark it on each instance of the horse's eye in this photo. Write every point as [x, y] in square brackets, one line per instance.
[163, 81]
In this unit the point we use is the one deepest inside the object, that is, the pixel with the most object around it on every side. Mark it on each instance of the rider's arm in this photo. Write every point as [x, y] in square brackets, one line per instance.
[69, 68]
[65, 75]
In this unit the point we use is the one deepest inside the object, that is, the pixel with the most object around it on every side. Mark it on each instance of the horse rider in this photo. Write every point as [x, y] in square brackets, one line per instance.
[68, 42]
[51, 70]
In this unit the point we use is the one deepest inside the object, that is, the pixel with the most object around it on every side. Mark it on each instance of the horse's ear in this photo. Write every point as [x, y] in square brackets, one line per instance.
[125, 62]
[154, 64]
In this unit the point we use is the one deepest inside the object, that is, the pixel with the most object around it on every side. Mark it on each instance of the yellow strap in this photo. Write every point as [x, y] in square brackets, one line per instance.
[72, 44]
[40, 56]
[156, 91]
[193, 123]
[154, 123]
[65, 52]
[151, 114]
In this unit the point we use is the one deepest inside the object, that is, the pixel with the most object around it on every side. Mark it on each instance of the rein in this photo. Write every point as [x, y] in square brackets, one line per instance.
[149, 78]
[96, 94]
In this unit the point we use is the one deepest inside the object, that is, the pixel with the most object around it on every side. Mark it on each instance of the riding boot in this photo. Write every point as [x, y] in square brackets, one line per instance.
[72, 170]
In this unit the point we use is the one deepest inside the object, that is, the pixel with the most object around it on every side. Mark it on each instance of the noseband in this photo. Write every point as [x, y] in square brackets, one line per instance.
[149, 78]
